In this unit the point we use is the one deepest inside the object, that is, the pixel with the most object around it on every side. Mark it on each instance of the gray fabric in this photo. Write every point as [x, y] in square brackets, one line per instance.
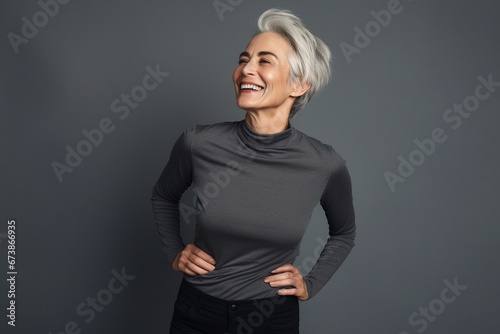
[255, 195]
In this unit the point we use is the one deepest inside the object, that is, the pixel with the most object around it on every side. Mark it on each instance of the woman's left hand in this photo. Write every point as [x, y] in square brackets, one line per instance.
[286, 276]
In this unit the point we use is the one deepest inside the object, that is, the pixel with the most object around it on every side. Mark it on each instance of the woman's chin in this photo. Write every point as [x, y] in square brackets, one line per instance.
[246, 105]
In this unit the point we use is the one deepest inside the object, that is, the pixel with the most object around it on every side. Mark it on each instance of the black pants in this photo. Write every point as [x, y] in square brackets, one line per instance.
[198, 313]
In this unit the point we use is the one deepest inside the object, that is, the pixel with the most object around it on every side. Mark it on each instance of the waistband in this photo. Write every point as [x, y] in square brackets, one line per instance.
[187, 290]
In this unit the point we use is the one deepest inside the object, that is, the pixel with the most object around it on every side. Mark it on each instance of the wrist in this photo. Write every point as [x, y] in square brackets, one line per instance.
[175, 263]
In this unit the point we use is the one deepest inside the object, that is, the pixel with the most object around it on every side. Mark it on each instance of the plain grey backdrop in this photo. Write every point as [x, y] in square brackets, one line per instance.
[425, 173]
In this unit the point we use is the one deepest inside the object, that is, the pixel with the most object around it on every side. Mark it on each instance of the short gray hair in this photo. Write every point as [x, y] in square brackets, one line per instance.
[310, 61]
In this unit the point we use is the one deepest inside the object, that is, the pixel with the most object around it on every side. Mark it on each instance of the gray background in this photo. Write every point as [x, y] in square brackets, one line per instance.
[440, 224]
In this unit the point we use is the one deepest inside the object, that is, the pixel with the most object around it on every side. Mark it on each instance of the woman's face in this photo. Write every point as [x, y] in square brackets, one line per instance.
[261, 79]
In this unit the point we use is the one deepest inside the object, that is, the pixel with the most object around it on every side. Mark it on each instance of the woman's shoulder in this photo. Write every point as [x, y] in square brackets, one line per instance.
[212, 128]
[205, 130]
[200, 135]
[318, 148]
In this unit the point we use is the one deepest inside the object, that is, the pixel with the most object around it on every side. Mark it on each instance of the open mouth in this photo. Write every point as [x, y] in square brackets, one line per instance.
[250, 87]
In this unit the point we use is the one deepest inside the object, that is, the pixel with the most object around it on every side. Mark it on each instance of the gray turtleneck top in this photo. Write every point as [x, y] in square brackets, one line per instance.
[254, 198]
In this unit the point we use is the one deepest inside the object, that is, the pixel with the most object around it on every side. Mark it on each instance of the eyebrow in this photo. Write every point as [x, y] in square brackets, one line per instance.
[260, 54]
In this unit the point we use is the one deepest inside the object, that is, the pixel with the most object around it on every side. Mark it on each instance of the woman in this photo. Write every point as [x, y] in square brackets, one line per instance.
[256, 182]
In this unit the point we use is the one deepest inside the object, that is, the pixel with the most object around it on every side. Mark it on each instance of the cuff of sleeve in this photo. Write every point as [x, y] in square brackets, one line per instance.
[310, 290]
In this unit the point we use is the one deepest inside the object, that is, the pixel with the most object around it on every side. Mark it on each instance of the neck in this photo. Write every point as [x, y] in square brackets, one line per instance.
[266, 123]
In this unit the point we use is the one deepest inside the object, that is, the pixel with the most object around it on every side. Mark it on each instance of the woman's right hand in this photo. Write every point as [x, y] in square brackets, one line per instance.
[193, 261]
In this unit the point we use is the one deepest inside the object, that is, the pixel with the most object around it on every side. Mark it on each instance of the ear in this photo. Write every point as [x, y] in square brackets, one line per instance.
[300, 89]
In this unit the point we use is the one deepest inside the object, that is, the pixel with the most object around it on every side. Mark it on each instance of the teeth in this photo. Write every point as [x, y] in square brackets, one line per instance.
[249, 86]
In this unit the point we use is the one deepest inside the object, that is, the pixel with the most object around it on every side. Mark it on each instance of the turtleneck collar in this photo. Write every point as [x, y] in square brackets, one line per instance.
[254, 139]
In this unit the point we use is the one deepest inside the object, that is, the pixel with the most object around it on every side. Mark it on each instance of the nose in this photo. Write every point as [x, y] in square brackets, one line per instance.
[248, 68]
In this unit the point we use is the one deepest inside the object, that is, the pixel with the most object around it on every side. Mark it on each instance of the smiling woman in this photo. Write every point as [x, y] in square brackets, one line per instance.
[239, 274]
[262, 81]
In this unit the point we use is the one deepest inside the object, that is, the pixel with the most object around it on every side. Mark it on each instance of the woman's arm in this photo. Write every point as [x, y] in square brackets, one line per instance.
[336, 200]
[167, 192]
[339, 210]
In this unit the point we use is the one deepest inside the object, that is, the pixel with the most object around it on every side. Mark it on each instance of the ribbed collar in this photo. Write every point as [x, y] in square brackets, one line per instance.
[254, 139]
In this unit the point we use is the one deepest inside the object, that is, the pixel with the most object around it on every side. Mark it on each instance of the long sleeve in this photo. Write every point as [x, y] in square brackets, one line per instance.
[254, 196]
[337, 204]
[167, 192]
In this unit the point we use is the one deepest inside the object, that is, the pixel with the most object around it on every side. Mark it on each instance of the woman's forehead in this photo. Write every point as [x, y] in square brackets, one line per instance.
[268, 42]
